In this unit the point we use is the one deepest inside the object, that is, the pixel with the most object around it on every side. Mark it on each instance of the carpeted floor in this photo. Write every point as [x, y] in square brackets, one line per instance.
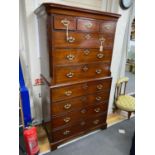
[105, 142]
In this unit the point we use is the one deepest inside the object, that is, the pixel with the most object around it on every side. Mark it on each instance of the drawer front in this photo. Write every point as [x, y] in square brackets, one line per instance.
[81, 40]
[81, 72]
[84, 113]
[88, 25]
[108, 27]
[60, 21]
[59, 108]
[73, 56]
[78, 127]
[67, 92]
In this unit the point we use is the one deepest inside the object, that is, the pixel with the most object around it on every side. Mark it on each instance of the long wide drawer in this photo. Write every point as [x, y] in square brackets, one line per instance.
[75, 90]
[61, 107]
[73, 56]
[83, 113]
[81, 40]
[80, 126]
[81, 72]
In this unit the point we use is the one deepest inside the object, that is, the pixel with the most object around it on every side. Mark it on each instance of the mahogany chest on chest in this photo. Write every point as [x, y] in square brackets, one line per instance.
[76, 50]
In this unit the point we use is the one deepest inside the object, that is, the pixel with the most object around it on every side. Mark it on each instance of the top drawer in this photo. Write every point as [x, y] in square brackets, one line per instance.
[60, 21]
[88, 25]
[108, 27]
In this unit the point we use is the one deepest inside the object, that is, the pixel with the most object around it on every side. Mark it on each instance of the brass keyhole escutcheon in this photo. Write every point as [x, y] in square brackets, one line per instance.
[86, 52]
[85, 68]
[88, 36]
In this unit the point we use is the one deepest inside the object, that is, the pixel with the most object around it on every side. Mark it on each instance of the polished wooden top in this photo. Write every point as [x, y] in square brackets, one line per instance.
[48, 6]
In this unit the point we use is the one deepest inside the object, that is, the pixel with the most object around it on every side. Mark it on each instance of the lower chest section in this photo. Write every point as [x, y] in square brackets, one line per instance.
[78, 108]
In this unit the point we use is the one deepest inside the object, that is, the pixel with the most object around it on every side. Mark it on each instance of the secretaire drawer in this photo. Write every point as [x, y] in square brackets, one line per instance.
[60, 21]
[83, 113]
[81, 40]
[72, 73]
[58, 108]
[88, 25]
[74, 90]
[72, 56]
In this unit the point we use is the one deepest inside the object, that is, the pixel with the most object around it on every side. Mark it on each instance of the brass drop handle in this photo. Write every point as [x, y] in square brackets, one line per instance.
[100, 55]
[85, 68]
[70, 57]
[96, 121]
[108, 27]
[70, 39]
[67, 119]
[67, 106]
[66, 132]
[98, 98]
[97, 110]
[68, 93]
[66, 23]
[99, 86]
[102, 40]
[88, 25]
[86, 51]
[98, 71]
[83, 111]
[70, 75]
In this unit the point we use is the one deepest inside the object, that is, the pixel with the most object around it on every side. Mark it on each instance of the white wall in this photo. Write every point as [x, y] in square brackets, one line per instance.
[30, 56]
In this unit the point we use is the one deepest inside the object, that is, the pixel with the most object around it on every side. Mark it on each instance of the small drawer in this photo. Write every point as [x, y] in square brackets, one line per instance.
[81, 72]
[88, 25]
[75, 90]
[59, 108]
[83, 113]
[108, 27]
[60, 21]
[73, 56]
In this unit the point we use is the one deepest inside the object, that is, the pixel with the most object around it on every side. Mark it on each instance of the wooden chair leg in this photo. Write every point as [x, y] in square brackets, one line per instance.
[129, 114]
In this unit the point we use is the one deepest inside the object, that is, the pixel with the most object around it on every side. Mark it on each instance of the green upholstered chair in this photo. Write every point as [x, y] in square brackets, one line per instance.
[121, 100]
